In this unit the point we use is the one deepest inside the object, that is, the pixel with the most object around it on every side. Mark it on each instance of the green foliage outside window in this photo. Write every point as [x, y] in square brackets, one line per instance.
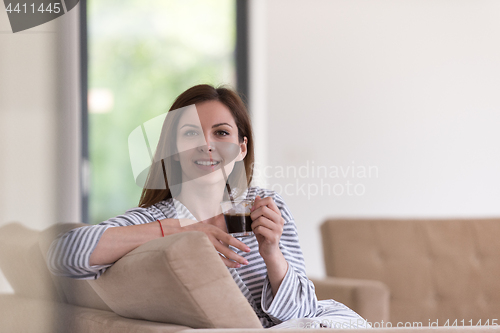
[142, 54]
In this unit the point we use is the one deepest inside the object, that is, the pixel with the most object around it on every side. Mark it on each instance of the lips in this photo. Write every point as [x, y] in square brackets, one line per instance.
[207, 162]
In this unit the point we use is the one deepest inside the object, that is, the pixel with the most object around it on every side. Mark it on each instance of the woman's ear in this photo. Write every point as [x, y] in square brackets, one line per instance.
[243, 150]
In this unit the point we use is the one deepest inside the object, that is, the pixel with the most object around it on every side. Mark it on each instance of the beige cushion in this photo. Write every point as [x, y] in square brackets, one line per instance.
[24, 315]
[178, 279]
[71, 291]
[22, 263]
[22, 260]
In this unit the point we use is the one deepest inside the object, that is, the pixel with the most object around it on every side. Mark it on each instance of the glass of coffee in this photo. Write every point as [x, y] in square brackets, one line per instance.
[237, 216]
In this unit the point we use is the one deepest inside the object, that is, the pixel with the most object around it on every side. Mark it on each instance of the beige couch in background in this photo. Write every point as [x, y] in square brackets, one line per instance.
[437, 270]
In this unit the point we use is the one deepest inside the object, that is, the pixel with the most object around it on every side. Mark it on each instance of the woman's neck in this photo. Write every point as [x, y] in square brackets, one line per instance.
[202, 201]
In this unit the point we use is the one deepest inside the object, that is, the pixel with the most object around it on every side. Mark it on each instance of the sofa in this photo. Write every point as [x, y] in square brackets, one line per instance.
[439, 271]
[133, 296]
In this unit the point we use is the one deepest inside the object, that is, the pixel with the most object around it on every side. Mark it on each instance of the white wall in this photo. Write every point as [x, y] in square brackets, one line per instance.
[39, 124]
[409, 88]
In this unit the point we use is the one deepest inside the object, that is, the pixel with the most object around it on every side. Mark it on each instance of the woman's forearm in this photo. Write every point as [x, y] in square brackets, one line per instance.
[118, 241]
[276, 270]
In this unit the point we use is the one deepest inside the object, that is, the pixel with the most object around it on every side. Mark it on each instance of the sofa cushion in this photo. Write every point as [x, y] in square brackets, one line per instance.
[71, 291]
[177, 279]
[20, 315]
[22, 263]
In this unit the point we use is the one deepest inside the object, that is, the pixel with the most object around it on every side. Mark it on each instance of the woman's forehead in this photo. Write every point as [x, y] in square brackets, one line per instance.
[207, 114]
[190, 116]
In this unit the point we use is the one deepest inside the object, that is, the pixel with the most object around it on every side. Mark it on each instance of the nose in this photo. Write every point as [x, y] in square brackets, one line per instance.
[207, 145]
[206, 148]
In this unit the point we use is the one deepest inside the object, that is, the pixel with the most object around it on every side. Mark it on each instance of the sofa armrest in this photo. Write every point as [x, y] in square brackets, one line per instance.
[368, 298]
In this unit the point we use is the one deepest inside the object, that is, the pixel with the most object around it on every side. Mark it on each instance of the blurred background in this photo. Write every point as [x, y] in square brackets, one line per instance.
[380, 108]
[141, 57]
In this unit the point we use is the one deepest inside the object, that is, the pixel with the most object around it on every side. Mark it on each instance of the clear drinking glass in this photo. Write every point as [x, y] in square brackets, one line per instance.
[237, 216]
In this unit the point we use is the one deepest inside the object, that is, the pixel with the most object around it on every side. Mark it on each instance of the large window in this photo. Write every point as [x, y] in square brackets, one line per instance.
[142, 54]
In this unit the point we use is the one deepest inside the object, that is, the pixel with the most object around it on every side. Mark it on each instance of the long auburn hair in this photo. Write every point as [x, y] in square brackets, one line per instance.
[197, 94]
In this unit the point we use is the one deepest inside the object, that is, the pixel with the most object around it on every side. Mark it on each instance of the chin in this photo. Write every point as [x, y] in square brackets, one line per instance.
[211, 178]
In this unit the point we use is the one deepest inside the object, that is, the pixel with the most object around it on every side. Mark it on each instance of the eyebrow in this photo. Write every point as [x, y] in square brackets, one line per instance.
[217, 125]
[214, 126]
[190, 125]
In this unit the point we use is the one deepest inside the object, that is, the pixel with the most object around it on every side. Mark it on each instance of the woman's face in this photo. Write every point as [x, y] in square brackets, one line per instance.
[207, 138]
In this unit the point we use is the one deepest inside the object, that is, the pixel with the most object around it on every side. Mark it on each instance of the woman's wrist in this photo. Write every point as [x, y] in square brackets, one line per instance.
[169, 227]
[277, 267]
[274, 257]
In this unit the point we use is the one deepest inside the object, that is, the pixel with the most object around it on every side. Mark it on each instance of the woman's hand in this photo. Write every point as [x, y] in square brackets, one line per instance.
[267, 226]
[221, 241]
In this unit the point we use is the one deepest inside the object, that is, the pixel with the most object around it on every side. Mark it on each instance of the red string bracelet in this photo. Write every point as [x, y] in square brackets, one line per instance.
[161, 227]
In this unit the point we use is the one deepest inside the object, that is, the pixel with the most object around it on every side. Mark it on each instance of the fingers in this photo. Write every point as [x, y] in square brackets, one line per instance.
[221, 242]
[267, 228]
[268, 213]
[267, 224]
[269, 237]
[229, 263]
[230, 240]
[268, 201]
[228, 253]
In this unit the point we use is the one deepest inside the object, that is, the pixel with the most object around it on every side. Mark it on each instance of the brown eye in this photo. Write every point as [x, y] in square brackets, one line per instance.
[222, 133]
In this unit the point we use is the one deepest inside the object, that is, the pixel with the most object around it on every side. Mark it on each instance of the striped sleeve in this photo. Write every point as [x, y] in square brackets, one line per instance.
[69, 253]
[296, 297]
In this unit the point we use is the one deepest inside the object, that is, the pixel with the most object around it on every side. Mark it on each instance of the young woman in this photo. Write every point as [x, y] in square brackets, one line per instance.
[208, 129]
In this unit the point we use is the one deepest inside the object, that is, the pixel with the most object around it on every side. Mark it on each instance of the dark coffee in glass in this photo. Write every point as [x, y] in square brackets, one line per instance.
[238, 223]
[237, 216]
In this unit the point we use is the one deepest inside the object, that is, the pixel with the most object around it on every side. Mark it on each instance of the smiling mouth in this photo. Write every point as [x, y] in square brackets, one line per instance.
[207, 163]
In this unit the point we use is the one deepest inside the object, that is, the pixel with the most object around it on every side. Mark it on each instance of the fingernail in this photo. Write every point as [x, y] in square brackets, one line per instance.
[246, 262]
[248, 249]
[238, 265]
